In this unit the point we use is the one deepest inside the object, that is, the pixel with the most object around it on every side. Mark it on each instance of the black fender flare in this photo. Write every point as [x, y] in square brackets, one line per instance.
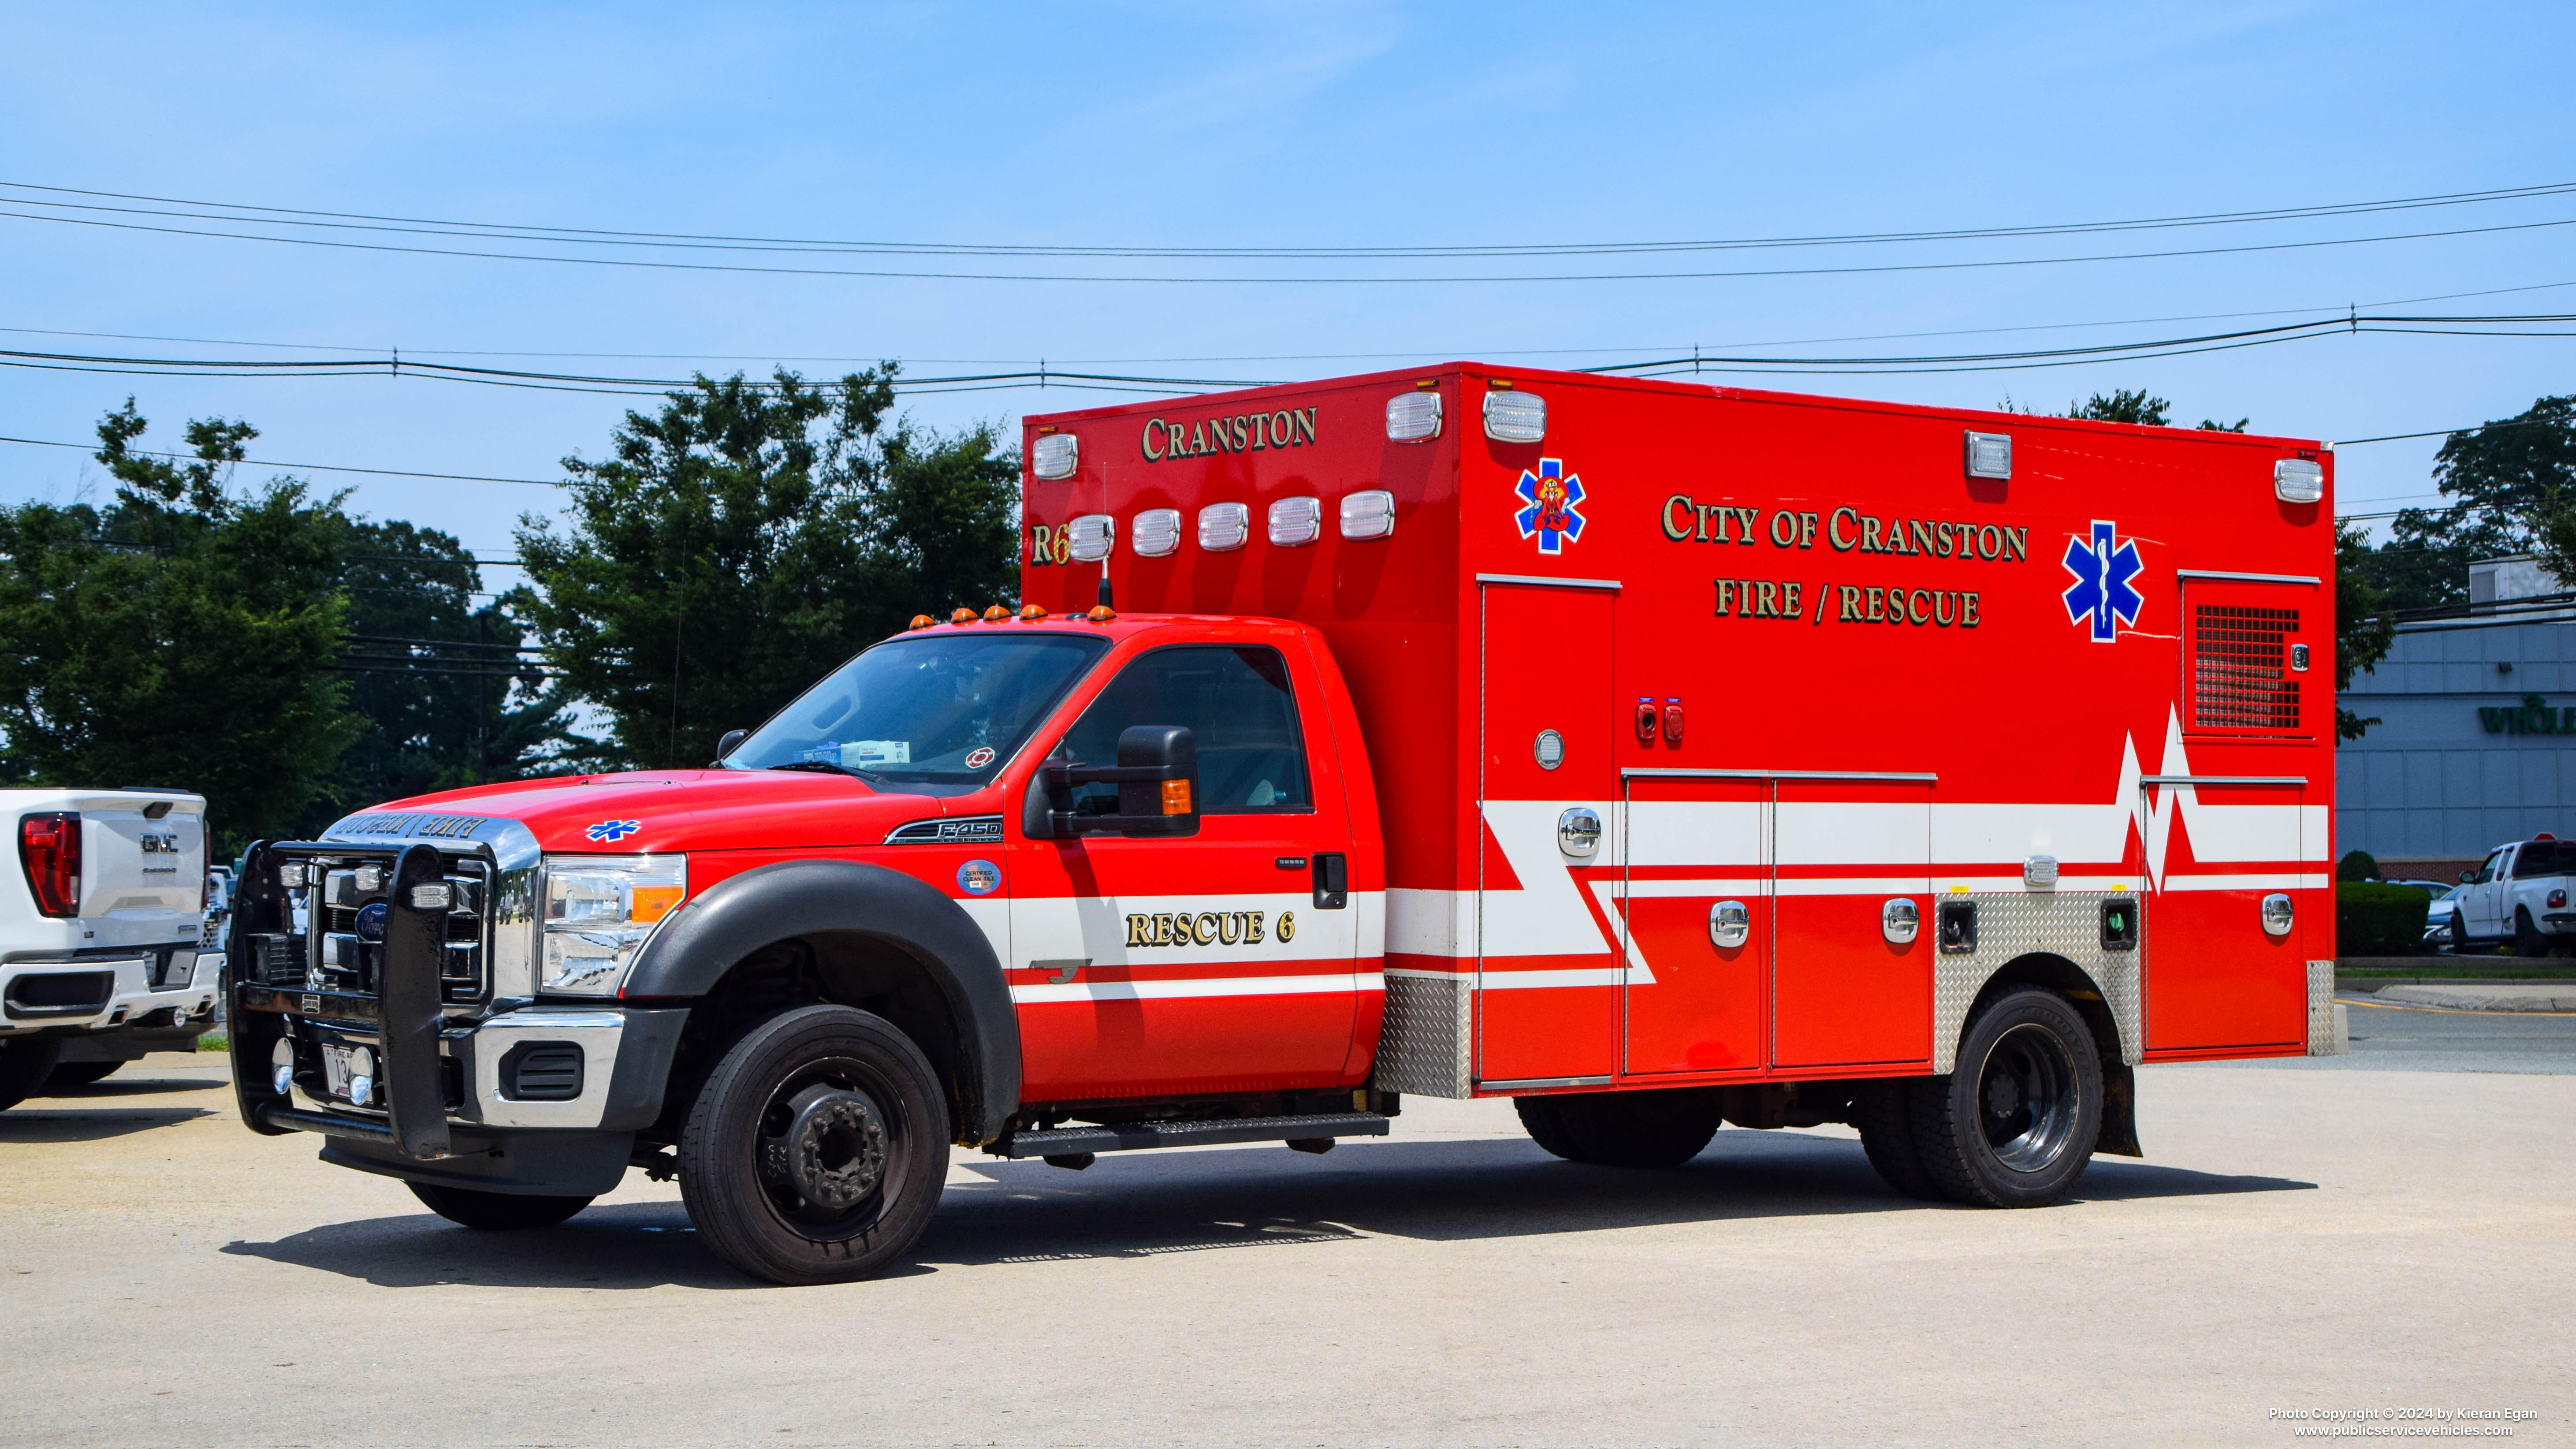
[740, 914]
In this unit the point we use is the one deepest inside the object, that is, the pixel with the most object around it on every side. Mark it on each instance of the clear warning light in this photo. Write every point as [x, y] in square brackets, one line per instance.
[1055, 455]
[1515, 417]
[1295, 521]
[1158, 532]
[1413, 417]
[1369, 513]
[1093, 534]
[1224, 527]
[2298, 480]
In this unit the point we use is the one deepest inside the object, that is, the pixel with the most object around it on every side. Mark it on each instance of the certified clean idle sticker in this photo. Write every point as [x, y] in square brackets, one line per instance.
[979, 877]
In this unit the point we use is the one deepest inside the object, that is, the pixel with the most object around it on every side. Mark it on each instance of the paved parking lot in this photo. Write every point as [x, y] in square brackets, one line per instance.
[2302, 1237]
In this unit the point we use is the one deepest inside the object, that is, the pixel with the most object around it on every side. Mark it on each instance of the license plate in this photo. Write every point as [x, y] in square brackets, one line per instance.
[335, 1070]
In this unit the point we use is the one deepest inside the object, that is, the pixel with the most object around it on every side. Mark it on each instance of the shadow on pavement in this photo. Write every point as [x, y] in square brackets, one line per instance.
[115, 1087]
[20, 1125]
[1149, 1204]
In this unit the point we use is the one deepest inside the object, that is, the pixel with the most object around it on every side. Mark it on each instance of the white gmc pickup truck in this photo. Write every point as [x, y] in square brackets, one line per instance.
[104, 951]
[2519, 894]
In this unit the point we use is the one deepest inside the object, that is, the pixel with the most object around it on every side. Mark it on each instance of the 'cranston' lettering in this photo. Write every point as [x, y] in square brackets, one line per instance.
[1242, 433]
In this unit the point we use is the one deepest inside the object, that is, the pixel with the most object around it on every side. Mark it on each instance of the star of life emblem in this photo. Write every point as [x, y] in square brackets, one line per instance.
[2102, 596]
[1554, 515]
[610, 831]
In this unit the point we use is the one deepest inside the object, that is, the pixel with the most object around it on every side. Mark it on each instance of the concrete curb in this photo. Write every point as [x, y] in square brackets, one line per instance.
[2518, 996]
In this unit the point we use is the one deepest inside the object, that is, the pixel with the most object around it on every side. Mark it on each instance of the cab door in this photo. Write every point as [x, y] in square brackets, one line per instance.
[1223, 962]
[2482, 907]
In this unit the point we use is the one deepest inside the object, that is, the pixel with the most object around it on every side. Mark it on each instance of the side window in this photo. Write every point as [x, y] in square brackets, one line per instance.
[2490, 869]
[1252, 760]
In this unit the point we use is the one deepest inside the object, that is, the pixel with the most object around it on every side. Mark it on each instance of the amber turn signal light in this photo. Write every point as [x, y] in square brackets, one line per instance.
[1176, 797]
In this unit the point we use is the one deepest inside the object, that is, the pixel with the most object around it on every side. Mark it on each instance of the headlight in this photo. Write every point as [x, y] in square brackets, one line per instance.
[599, 910]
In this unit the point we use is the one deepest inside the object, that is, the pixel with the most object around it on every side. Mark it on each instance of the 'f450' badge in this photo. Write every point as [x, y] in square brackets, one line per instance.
[1554, 515]
[2102, 595]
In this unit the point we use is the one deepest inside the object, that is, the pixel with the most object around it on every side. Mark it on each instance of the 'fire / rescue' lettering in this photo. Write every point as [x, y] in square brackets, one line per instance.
[1939, 608]
[1205, 928]
[1758, 599]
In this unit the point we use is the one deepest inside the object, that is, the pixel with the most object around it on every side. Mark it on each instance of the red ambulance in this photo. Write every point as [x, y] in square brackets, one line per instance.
[1658, 755]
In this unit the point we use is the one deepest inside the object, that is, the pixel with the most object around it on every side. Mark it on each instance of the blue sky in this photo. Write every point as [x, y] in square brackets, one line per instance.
[1308, 124]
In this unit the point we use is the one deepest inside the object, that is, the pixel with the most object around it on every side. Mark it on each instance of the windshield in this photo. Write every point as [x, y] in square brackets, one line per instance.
[944, 709]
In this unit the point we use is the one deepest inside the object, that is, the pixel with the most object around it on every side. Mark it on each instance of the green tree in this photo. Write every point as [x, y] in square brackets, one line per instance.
[191, 636]
[182, 637]
[2514, 486]
[746, 539]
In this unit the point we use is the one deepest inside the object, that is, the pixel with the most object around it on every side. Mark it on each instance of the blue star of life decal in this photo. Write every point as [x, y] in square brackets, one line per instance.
[2103, 565]
[613, 830]
[1554, 515]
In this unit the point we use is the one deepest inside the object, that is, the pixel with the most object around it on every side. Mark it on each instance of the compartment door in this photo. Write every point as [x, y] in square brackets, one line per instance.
[1842, 849]
[1547, 977]
[1696, 995]
[2214, 976]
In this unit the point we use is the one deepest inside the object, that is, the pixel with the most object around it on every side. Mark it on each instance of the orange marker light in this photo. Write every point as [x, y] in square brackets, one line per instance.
[922, 621]
[1176, 797]
[996, 614]
[652, 903]
[1031, 613]
[1101, 614]
[962, 616]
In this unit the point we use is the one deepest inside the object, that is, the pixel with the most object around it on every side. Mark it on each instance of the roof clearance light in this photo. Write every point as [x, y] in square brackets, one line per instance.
[996, 615]
[2298, 480]
[1223, 527]
[1296, 521]
[1094, 534]
[1031, 613]
[1158, 532]
[961, 616]
[1989, 455]
[922, 621]
[1515, 417]
[1370, 513]
[1413, 417]
[1055, 455]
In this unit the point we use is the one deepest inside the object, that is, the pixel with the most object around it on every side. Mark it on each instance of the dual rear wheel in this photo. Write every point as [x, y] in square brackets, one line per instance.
[2013, 1126]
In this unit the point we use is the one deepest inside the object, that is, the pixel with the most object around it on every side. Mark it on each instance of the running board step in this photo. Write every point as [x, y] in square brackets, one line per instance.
[1132, 1136]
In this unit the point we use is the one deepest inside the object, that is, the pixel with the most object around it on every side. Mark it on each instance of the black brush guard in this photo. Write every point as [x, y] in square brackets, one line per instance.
[405, 1011]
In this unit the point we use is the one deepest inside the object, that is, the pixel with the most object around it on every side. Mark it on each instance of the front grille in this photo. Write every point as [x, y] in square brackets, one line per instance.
[336, 942]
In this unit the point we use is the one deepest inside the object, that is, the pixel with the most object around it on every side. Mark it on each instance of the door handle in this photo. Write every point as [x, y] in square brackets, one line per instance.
[1064, 970]
[1332, 881]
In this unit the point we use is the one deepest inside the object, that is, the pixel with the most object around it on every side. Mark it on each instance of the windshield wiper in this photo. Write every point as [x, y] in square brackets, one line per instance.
[823, 765]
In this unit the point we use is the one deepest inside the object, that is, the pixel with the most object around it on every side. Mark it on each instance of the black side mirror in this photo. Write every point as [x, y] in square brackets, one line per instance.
[2468, 877]
[1157, 776]
[731, 738]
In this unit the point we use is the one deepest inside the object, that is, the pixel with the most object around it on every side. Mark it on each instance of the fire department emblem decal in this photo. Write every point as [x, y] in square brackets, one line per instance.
[1554, 511]
[608, 831]
[2102, 595]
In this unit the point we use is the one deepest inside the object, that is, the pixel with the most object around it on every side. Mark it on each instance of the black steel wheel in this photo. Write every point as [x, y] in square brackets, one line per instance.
[816, 1151]
[2015, 1123]
[25, 1063]
[1622, 1129]
[70, 1076]
[474, 1207]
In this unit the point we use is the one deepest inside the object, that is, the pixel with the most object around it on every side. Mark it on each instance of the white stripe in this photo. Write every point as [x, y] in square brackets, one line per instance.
[1210, 986]
[1575, 976]
[2247, 882]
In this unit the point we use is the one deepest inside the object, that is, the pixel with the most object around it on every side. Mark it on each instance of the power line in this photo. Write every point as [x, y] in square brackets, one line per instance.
[1415, 280]
[512, 231]
[308, 467]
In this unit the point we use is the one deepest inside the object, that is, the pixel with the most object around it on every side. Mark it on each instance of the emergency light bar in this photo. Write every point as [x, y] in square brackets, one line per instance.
[1055, 455]
[1158, 532]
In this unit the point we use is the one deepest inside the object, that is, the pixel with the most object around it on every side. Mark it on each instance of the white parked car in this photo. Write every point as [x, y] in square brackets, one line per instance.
[2519, 894]
[2438, 917]
[105, 948]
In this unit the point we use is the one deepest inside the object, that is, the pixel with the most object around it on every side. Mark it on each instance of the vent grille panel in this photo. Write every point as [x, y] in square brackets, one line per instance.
[2240, 669]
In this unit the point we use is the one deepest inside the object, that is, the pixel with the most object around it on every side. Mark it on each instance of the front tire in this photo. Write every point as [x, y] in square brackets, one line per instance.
[817, 1149]
[495, 1212]
[2459, 932]
[25, 1063]
[2015, 1123]
[1622, 1129]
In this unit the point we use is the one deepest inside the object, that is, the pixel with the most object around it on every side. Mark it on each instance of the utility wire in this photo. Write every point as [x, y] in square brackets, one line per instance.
[510, 231]
[1289, 280]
